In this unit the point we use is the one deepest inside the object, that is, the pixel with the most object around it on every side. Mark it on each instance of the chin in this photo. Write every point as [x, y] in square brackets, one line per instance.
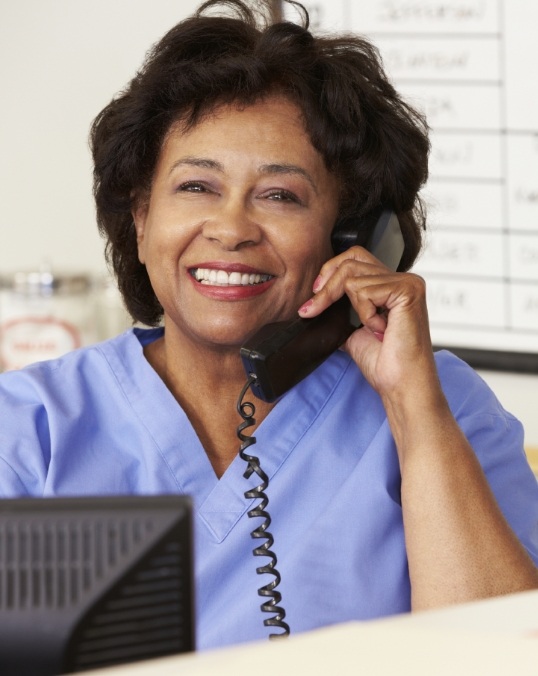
[223, 339]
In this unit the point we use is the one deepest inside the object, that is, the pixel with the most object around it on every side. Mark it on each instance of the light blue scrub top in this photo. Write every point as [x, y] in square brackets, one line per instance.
[100, 421]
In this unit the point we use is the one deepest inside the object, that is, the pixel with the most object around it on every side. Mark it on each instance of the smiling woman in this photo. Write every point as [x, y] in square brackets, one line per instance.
[222, 173]
[217, 211]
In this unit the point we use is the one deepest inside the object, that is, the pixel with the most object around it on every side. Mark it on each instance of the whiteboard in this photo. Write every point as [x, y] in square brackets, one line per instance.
[470, 65]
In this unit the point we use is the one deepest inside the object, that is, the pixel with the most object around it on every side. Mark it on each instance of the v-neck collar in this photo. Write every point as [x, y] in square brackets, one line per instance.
[220, 502]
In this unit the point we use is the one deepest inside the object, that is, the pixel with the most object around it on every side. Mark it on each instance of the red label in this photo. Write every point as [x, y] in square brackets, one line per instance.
[29, 339]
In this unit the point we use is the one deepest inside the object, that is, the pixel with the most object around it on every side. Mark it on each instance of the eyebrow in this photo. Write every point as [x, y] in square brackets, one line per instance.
[287, 169]
[203, 162]
[267, 169]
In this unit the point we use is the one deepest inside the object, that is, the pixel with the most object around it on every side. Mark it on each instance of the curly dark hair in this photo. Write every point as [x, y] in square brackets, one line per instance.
[372, 139]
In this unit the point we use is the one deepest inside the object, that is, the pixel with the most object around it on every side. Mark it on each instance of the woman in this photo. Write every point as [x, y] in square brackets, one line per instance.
[220, 173]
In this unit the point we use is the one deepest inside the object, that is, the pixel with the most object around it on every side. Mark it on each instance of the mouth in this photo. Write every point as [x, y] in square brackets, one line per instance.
[212, 277]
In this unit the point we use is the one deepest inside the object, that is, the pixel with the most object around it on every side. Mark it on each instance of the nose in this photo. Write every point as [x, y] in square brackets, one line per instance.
[233, 227]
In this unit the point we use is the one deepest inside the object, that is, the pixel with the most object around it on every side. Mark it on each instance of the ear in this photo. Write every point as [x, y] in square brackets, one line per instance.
[140, 215]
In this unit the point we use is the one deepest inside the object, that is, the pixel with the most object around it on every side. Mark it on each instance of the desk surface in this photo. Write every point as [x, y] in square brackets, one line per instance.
[495, 637]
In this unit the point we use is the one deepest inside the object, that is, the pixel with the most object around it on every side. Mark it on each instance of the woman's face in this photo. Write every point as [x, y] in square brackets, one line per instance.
[238, 222]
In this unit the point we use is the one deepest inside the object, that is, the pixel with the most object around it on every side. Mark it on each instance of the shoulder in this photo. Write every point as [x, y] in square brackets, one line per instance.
[497, 438]
[59, 386]
[52, 406]
[453, 370]
[85, 365]
[465, 390]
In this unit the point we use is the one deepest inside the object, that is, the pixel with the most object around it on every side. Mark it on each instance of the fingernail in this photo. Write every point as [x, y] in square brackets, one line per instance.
[304, 309]
[317, 284]
[379, 335]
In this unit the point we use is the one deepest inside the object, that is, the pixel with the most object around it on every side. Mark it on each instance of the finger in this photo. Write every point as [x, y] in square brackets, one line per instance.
[372, 296]
[369, 265]
[339, 276]
[366, 293]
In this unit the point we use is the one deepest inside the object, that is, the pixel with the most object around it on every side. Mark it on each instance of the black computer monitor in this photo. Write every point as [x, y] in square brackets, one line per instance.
[88, 582]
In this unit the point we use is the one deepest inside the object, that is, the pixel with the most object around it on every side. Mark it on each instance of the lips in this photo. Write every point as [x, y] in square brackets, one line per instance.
[219, 277]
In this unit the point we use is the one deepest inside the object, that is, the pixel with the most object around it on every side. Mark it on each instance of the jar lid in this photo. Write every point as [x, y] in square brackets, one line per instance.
[45, 283]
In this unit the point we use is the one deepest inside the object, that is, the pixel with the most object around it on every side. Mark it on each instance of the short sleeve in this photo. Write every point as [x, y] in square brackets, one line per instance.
[497, 438]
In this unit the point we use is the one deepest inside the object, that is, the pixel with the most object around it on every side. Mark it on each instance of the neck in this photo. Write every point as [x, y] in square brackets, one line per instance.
[207, 385]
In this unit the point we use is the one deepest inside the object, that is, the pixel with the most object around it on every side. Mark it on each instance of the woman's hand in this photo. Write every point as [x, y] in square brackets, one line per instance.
[393, 348]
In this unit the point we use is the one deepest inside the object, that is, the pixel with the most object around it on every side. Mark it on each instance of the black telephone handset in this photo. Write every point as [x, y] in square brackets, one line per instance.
[281, 354]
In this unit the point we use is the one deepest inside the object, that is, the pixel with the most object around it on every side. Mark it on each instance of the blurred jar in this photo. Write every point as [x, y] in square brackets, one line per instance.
[43, 316]
[111, 316]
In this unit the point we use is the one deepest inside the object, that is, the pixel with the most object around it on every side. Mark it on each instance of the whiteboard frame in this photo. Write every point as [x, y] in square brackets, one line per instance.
[495, 360]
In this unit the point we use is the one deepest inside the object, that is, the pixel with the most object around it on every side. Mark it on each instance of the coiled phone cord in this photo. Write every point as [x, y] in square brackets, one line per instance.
[246, 410]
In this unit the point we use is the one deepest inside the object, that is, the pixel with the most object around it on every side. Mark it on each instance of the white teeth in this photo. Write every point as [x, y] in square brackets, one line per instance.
[222, 278]
[235, 278]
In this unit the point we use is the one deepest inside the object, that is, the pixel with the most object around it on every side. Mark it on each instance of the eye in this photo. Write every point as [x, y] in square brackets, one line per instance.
[192, 186]
[281, 195]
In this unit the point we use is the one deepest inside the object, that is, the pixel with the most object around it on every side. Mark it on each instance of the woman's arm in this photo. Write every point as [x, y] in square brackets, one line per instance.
[459, 545]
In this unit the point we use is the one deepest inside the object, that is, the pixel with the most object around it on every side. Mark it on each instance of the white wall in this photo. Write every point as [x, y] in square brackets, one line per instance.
[60, 62]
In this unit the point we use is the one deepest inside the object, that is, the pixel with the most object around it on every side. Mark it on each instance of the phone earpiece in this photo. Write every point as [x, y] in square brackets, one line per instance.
[354, 231]
[344, 236]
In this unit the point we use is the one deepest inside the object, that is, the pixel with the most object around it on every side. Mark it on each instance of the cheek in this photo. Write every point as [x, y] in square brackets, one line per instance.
[163, 240]
[317, 249]
[307, 259]
[309, 239]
